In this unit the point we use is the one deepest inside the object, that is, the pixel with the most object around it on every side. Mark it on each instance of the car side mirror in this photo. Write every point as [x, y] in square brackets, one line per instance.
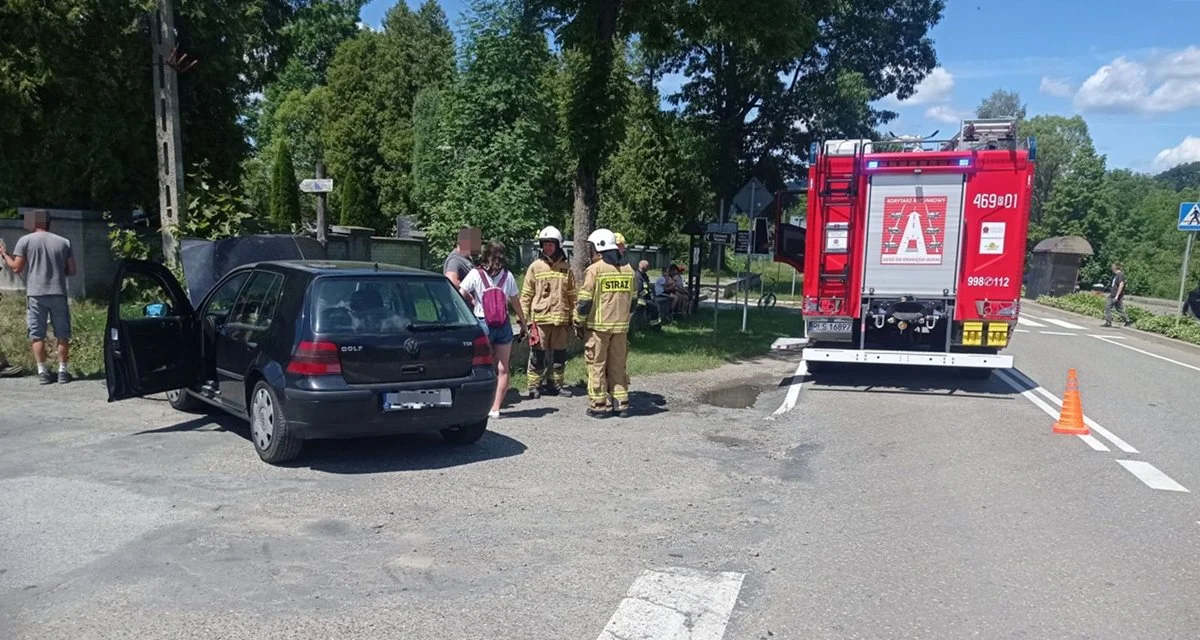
[156, 310]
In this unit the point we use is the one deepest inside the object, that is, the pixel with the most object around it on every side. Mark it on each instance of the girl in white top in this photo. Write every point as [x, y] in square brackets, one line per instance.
[494, 264]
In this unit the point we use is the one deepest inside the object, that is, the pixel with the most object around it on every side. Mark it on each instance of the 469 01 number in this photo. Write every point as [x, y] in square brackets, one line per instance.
[995, 200]
[988, 281]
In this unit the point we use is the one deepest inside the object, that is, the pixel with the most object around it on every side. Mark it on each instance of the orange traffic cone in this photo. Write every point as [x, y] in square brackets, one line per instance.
[1070, 420]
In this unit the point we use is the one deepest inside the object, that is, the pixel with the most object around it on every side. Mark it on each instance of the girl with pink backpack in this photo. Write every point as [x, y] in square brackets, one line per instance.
[492, 291]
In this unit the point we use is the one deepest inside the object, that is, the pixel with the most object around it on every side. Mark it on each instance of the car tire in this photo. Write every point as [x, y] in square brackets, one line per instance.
[465, 434]
[269, 431]
[181, 400]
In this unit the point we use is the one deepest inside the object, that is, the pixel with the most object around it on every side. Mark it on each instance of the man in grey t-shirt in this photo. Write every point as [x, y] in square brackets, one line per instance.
[45, 260]
[459, 262]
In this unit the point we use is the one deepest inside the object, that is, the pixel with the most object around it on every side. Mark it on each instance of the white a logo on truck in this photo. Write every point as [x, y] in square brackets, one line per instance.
[921, 238]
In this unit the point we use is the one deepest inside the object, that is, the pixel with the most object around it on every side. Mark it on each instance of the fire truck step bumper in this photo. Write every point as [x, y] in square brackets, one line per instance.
[916, 358]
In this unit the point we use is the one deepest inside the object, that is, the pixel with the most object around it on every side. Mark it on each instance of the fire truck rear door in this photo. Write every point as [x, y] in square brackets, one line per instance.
[914, 232]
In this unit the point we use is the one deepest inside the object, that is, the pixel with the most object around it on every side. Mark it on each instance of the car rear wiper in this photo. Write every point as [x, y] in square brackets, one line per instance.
[429, 326]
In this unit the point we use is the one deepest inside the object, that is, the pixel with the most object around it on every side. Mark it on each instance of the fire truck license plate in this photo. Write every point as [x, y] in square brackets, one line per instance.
[829, 327]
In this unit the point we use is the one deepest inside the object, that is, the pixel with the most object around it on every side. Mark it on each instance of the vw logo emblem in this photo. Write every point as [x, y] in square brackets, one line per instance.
[412, 346]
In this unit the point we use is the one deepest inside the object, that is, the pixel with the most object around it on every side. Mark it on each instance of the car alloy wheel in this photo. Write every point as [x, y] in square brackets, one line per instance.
[262, 419]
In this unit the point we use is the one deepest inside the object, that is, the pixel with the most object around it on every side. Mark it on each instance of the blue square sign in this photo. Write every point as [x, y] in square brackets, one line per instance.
[1189, 216]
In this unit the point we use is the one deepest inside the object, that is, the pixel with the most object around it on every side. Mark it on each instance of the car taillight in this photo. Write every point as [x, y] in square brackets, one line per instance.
[315, 359]
[483, 353]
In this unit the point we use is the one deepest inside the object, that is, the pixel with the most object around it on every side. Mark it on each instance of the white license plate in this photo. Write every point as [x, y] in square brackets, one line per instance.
[420, 399]
[829, 327]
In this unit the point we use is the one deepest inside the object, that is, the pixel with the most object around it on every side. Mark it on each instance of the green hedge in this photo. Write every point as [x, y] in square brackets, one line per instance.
[1091, 304]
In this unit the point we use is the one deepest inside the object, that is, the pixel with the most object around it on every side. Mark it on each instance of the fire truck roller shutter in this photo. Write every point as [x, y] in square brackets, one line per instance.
[914, 233]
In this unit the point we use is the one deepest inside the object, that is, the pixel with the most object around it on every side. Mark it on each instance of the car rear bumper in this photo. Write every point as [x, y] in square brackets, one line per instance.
[359, 412]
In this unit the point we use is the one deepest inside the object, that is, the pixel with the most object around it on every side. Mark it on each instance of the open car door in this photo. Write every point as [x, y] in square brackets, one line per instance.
[791, 233]
[151, 342]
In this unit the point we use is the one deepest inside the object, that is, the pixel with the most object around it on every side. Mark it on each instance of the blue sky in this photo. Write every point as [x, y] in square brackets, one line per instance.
[1130, 67]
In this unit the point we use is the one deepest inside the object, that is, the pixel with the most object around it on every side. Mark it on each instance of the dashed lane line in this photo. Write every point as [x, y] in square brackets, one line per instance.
[1057, 333]
[793, 393]
[1092, 424]
[676, 604]
[1144, 352]
[1031, 396]
[1151, 476]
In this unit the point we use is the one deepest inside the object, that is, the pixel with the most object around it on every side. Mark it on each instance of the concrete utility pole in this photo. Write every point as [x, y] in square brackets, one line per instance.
[321, 223]
[166, 110]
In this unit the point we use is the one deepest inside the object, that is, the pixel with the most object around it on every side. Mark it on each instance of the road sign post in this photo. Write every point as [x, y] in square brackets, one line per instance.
[1189, 221]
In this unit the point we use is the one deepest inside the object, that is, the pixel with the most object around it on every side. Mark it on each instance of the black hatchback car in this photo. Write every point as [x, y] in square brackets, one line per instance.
[305, 350]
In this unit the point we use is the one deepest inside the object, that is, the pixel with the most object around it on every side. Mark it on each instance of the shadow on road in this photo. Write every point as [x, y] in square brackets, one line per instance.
[947, 381]
[410, 452]
[539, 412]
[403, 453]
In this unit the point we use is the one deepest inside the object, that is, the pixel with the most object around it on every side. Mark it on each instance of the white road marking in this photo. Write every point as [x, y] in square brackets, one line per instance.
[1151, 476]
[1028, 322]
[1092, 424]
[676, 604]
[1063, 323]
[1029, 395]
[793, 393]
[1110, 337]
[1152, 355]
[1020, 330]
[1058, 333]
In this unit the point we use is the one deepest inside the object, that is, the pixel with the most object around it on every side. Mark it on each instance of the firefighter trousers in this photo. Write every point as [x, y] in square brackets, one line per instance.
[550, 352]
[605, 353]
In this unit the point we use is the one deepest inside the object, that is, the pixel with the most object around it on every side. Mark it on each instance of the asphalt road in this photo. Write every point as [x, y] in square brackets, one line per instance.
[890, 503]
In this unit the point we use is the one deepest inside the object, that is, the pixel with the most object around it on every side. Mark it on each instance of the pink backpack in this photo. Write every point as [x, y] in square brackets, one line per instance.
[495, 303]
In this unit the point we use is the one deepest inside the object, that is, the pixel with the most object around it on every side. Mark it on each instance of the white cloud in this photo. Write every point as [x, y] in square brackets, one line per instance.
[1164, 83]
[948, 114]
[1057, 87]
[1182, 153]
[934, 88]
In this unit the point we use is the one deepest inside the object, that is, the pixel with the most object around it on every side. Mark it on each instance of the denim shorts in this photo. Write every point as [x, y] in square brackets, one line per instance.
[499, 336]
[54, 308]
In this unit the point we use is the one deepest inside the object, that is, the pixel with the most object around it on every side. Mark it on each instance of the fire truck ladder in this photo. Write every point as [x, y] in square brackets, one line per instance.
[840, 189]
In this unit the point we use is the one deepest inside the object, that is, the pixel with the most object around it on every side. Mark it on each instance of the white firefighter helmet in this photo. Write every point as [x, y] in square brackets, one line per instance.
[603, 240]
[550, 233]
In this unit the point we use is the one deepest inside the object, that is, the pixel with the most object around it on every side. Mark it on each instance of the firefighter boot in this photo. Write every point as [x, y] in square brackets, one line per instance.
[558, 373]
[617, 376]
[537, 371]
[595, 353]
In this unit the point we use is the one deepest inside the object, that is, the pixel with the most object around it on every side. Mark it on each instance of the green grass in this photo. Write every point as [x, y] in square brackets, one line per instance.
[87, 345]
[1092, 304]
[691, 345]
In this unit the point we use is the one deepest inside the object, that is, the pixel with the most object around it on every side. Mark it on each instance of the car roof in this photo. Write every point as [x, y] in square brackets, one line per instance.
[342, 268]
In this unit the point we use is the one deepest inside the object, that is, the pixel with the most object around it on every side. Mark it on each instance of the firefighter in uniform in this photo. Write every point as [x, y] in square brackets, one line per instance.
[605, 304]
[548, 298]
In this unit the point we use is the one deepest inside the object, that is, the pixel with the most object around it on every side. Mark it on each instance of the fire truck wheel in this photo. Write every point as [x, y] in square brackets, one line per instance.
[976, 373]
[817, 368]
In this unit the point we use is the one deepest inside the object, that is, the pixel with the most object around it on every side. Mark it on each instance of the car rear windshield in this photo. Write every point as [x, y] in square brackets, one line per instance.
[388, 304]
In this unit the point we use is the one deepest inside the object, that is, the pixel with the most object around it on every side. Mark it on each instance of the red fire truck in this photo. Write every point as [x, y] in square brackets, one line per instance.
[912, 250]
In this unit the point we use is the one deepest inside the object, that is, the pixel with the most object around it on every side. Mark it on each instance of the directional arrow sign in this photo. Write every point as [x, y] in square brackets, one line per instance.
[718, 237]
[317, 185]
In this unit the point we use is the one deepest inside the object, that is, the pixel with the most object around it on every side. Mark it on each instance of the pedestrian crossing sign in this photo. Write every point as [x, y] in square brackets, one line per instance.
[1189, 216]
